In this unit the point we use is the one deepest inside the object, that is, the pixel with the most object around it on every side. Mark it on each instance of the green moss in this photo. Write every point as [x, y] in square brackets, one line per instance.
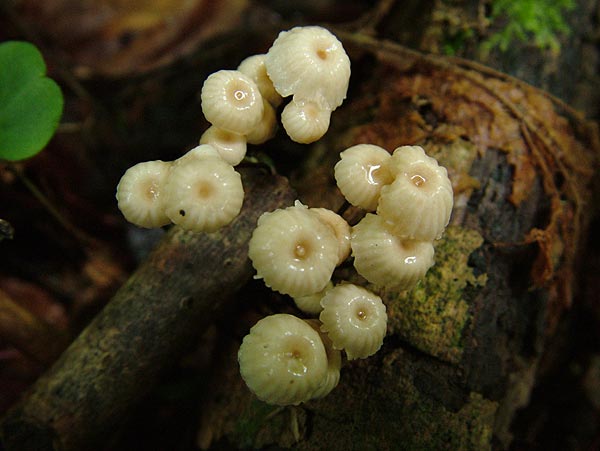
[433, 314]
[539, 21]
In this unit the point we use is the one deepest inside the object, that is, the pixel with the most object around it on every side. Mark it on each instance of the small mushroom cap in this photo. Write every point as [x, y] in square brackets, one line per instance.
[231, 146]
[361, 173]
[293, 251]
[231, 101]
[283, 360]
[386, 260]
[255, 68]
[140, 194]
[354, 319]
[419, 201]
[304, 121]
[203, 194]
[311, 303]
[266, 128]
[309, 63]
[334, 362]
[341, 229]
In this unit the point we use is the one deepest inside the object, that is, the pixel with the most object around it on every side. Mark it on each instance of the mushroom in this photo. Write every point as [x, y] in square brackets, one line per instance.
[305, 121]
[231, 146]
[354, 319]
[334, 362]
[340, 228]
[311, 64]
[255, 68]
[361, 173]
[386, 260]
[283, 360]
[203, 193]
[266, 128]
[140, 194]
[311, 303]
[231, 101]
[418, 203]
[293, 251]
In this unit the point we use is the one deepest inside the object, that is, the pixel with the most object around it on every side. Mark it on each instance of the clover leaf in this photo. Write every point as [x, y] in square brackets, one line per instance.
[31, 104]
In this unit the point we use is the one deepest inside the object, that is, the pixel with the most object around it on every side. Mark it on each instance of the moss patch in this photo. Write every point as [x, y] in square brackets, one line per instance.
[433, 314]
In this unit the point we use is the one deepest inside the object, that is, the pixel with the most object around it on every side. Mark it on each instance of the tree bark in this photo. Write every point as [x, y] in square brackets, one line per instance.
[146, 327]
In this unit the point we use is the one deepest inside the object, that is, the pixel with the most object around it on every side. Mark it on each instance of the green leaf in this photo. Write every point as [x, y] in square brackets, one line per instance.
[31, 104]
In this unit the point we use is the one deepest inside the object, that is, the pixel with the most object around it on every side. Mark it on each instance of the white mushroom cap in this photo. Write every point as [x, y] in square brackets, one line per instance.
[386, 260]
[140, 194]
[309, 63]
[311, 303]
[293, 251]
[231, 101]
[203, 194]
[354, 319]
[419, 202]
[283, 360]
[361, 173]
[341, 229]
[231, 146]
[255, 68]
[266, 128]
[334, 362]
[304, 121]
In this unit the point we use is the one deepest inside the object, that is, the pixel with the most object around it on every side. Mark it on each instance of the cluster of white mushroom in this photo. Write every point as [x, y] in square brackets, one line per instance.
[199, 192]
[295, 251]
[412, 196]
[204, 194]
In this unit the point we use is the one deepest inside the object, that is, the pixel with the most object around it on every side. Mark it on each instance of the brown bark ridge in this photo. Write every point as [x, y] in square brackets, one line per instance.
[148, 324]
[463, 346]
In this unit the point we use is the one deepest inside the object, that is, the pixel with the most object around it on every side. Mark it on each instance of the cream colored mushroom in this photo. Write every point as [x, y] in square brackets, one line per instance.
[354, 319]
[386, 260]
[231, 146]
[361, 173]
[255, 68]
[232, 101]
[293, 251]
[340, 228]
[283, 360]
[266, 128]
[419, 202]
[140, 194]
[334, 362]
[203, 194]
[304, 121]
[311, 303]
[309, 63]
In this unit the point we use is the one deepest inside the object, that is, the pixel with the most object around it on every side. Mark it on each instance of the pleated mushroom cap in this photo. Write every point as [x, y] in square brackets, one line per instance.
[293, 251]
[309, 63]
[231, 101]
[386, 260]
[266, 128]
[140, 194]
[334, 362]
[283, 360]
[304, 121]
[255, 68]
[354, 319]
[419, 202]
[341, 229]
[203, 194]
[311, 303]
[231, 146]
[361, 173]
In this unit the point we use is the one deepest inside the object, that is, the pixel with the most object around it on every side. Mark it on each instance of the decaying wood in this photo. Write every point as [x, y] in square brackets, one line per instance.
[152, 319]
